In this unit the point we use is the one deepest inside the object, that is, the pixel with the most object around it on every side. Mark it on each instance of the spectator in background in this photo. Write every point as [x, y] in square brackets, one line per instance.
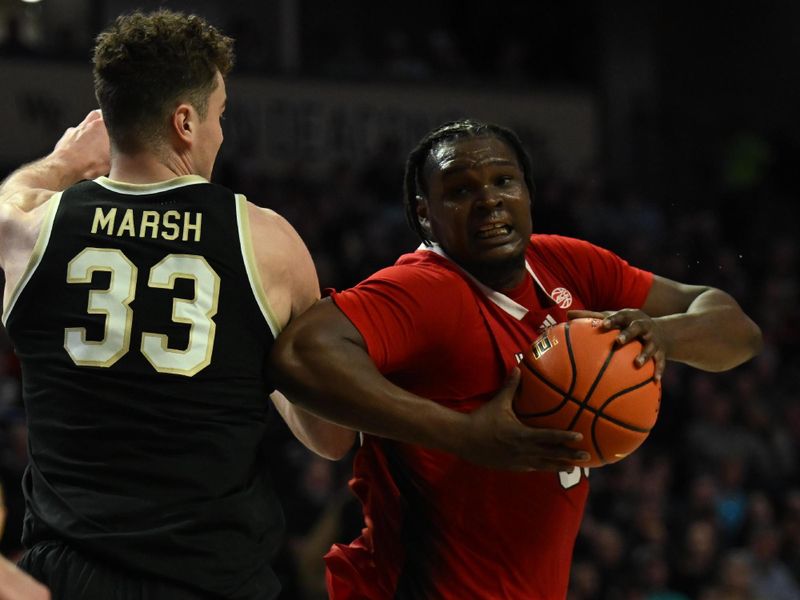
[772, 578]
[696, 557]
[734, 580]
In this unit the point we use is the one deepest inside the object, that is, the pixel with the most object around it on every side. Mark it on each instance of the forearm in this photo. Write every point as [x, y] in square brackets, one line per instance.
[347, 388]
[713, 334]
[52, 172]
[83, 152]
[326, 439]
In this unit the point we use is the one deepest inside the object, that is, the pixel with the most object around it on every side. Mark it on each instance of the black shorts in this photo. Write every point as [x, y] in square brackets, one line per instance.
[71, 575]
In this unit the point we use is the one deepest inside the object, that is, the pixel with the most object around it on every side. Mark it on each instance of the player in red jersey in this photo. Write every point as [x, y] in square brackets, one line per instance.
[441, 330]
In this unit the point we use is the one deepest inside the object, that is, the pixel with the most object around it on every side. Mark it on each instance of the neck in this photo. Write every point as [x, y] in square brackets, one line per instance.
[500, 276]
[148, 167]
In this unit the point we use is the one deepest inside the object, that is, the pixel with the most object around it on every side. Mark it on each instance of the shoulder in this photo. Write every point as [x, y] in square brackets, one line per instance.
[421, 269]
[19, 203]
[417, 287]
[547, 243]
[23, 210]
[285, 267]
[21, 220]
[271, 232]
[567, 251]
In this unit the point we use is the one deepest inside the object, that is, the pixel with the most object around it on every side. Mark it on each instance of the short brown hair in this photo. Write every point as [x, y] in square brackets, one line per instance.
[146, 63]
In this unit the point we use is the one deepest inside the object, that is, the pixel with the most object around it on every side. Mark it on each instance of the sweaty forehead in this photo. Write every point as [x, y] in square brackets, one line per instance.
[456, 155]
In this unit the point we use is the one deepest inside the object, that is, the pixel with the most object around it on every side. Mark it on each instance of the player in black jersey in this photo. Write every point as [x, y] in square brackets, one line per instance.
[143, 306]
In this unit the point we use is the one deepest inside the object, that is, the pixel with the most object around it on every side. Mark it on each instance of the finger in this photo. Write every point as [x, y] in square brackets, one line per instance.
[661, 364]
[648, 351]
[564, 453]
[631, 332]
[540, 464]
[509, 389]
[513, 379]
[551, 437]
[619, 319]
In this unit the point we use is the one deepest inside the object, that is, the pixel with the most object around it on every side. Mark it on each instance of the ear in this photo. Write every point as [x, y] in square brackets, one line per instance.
[184, 122]
[422, 214]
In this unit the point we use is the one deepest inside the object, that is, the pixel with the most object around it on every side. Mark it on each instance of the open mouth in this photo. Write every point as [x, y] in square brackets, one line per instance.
[493, 230]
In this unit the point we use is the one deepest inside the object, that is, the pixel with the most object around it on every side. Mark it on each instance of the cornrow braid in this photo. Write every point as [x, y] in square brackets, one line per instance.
[414, 183]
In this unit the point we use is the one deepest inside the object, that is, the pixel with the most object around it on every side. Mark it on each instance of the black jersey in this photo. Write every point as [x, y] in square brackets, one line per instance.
[143, 332]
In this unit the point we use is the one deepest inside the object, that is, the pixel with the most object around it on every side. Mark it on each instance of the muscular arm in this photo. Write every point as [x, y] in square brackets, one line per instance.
[702, 326]
[290, 283]
[81, 153]
[321, 362]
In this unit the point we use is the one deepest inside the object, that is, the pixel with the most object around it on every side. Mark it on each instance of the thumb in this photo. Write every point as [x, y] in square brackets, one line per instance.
[509, 389]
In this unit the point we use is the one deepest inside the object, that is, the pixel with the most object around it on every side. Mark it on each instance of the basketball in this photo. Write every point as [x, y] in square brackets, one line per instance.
[576, 377]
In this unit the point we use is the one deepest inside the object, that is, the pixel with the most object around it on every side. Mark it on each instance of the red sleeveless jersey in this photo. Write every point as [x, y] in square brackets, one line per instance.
[438, 527]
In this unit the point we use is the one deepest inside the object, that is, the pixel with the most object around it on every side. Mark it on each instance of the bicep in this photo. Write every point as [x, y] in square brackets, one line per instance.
[323, 336]
[304, 282]
[20, 222]
[286, 270]
[668, 297]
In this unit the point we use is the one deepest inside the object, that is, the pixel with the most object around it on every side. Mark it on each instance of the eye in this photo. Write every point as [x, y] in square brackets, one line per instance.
[458, 191]
[504, 180]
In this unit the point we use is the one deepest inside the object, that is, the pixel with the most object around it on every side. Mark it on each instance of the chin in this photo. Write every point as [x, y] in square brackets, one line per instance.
[513, 250]
[497, 265]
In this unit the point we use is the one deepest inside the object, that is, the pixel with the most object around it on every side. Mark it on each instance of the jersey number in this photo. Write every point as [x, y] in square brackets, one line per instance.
[114, 303]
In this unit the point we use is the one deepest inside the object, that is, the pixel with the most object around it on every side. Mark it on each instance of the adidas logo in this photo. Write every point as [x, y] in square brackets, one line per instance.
[549, 321]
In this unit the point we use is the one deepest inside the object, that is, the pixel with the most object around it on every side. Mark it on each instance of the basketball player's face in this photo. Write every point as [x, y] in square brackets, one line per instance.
[478, 208]
[210, 133]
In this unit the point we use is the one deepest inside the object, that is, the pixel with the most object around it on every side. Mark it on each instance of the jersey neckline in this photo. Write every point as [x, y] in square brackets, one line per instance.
[136, 189]
[507, 304]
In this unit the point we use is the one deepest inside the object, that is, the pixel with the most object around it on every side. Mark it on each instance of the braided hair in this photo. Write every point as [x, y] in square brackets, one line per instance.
[414, 183]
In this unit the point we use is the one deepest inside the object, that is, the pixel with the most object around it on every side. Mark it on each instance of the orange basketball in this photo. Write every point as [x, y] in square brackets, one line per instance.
[575, 377]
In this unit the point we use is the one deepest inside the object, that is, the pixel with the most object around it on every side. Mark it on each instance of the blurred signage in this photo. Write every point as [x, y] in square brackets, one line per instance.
[278, 125]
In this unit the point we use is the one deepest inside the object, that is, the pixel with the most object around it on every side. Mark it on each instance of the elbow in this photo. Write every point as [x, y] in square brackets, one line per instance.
[284, 369]
[756, 340]
[338, 448]
[750, 344]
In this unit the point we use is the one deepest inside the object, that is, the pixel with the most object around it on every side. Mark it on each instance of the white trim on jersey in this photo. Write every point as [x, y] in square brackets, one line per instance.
[36, 256]
[513, 308]
[251, 266]
[139, 189]
[536, 279]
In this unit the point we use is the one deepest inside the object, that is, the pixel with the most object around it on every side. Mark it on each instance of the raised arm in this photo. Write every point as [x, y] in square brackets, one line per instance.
[321, 362]
[81, 153]
[290, 283]
[700, 326]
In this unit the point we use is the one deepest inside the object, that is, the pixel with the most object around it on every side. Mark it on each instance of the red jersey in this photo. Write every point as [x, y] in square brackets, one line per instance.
[438, 527]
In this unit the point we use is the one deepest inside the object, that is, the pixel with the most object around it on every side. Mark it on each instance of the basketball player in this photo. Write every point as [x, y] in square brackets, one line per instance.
[441, 328]
[142, 306]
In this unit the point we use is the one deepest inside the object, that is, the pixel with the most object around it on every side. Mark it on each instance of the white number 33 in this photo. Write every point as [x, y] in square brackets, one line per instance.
[114, 304]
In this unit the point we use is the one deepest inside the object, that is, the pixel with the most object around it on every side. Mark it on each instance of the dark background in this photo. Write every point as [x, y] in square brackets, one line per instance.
[693, 176]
